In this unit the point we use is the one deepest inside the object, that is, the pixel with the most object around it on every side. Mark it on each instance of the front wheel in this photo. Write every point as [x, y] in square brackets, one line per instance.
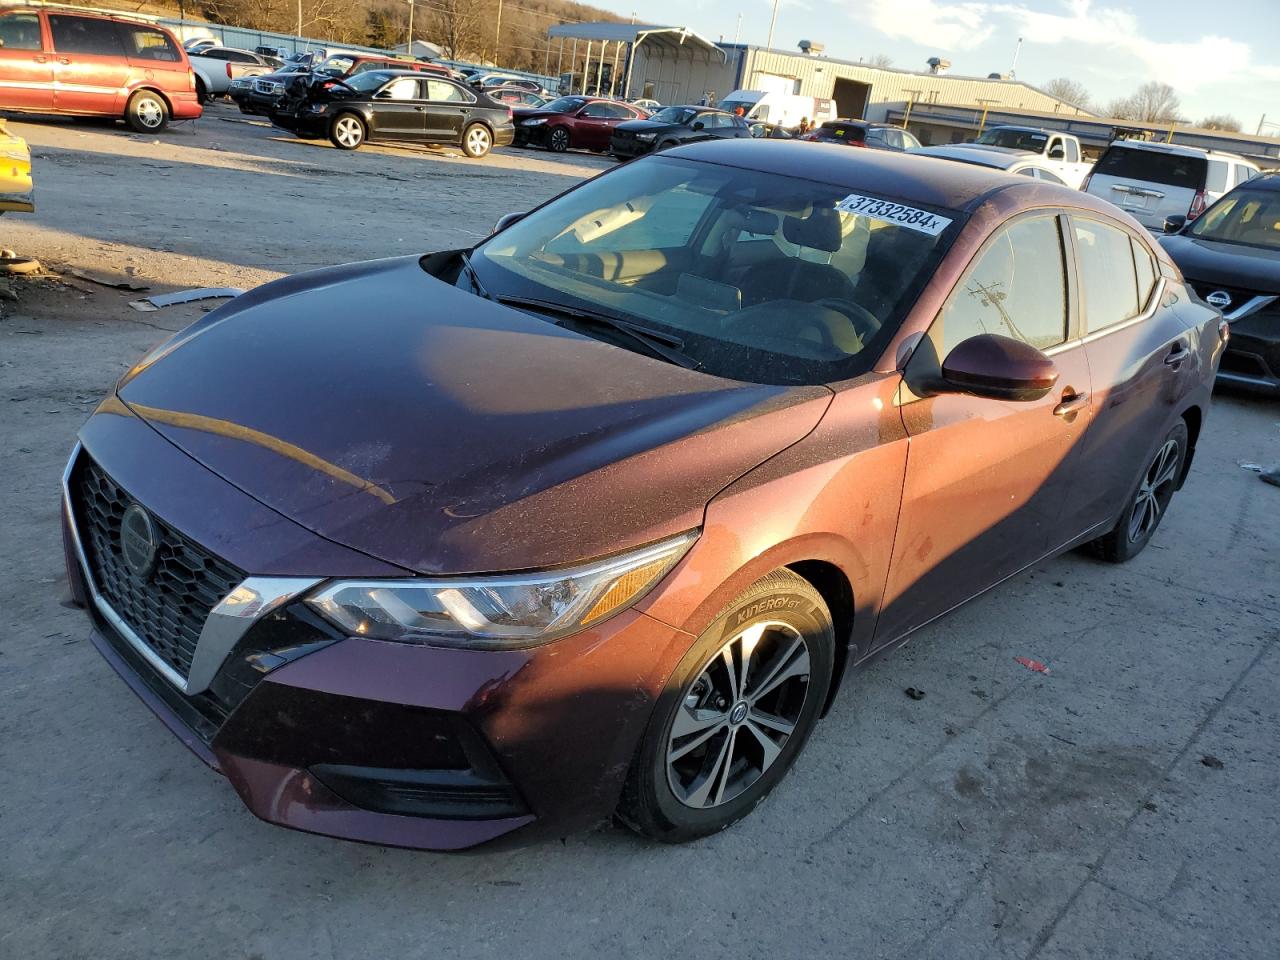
[347, 131]
[146, 112]
[476, 141]
[558, 140]
[1149, 501]
[735, 714]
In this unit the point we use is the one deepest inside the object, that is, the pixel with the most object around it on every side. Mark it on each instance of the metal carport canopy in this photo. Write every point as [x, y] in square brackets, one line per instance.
[654, 35]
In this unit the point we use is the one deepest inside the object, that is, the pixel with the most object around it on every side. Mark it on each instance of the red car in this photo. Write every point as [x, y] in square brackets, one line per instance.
[53, 61]
[585, 122]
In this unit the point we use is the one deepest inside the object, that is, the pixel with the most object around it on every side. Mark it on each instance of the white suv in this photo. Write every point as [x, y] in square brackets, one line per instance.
[1153, 181]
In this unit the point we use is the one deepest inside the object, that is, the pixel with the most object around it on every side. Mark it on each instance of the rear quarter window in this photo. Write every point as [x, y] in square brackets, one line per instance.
[147, 43]
[1150, 166]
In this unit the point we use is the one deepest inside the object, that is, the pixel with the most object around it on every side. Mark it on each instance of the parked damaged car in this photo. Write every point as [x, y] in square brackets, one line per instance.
[598, 516]
[396, 105]
[671, 126]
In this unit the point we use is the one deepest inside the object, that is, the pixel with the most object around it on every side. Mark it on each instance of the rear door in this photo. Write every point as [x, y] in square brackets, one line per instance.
[400, 111]
[26, 66]
[594, 124]
[1149, 184]
[154, 53]
[448, 109]
[1139, 357]
[986, 479]
[91, 71]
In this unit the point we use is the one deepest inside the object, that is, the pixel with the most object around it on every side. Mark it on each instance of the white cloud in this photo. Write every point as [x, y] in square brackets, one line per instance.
[1112, 31]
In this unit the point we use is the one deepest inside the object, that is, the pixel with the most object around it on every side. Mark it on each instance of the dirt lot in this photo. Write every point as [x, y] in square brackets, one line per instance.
[1122, 806]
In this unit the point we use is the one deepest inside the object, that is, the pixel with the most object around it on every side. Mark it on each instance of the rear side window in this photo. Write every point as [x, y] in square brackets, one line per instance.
[440, 91]
[1218, 171]
[1145, 268]
[20, 31]
[1017, 289]
[147, 43]
[85, 35]
[1152, 166]
[1107, 273]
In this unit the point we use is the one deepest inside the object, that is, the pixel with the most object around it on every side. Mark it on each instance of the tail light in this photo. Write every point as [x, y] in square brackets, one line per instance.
[1197, 206]
[191, 79]
[1084, 184]
[510, 115]
[856, 143]
[228, 69]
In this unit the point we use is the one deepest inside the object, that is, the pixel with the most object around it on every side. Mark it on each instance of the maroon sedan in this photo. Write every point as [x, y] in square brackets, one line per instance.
[584, 122]
[596, 517]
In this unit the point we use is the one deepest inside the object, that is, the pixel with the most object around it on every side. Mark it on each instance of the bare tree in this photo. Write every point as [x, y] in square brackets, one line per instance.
[1220, 121]
[1072, 91]
[1152, 102]
[459, 26]
[880, 61]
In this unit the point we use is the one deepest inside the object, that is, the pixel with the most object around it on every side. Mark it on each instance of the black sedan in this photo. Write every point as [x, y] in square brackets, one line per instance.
[1230, 256]
[675, 125]
[398, 105]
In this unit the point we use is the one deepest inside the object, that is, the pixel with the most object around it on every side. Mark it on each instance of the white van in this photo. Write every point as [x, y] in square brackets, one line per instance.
[780, 109]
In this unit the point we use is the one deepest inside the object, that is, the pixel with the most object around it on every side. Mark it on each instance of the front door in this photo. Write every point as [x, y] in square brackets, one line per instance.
[26, 67]
[985, 478]
[448, 109]
[90, 69]
[399, 111]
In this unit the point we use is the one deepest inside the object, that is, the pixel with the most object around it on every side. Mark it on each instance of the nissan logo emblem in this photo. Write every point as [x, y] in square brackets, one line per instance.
[138, 541]
[1219, 298]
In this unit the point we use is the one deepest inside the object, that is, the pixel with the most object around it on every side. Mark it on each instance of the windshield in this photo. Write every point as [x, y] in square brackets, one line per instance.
[1033, 140]
[761, 277]
[564, 104]
[674, 115]
[1153, 166]
[1248, 217]
[336, 65]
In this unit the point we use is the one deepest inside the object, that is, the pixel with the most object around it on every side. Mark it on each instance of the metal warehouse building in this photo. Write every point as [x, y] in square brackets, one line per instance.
[676, 65]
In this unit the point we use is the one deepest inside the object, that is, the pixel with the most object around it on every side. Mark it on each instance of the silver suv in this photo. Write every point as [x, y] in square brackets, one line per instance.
[1153, 181]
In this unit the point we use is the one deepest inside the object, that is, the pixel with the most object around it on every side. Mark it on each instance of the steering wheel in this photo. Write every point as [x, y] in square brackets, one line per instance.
[870, 323]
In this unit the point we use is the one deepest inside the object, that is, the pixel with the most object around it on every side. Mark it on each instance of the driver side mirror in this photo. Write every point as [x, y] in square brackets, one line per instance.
[997, 367]
[507, 220]
[1174, 223]
[698, 124]
[1057, 153]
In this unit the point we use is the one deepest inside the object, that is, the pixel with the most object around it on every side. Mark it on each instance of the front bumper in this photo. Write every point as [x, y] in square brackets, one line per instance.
[629, 147]
[387, 743]
[1252, 357]
[535, 136]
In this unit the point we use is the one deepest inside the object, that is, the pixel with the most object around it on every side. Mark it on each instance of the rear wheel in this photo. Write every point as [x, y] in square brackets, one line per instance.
[147, 112]
[735, 714]
[347, 131]
[1148, 502]
[202, 92]
[558, 139]
[477, 141]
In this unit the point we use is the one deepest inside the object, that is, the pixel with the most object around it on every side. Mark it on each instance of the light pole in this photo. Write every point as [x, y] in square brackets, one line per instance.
[772, 21]
[410, 49]
[497, 32]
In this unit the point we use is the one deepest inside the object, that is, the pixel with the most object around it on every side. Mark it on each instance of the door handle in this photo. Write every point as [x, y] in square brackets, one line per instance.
[41, 58]
[420, 109]
[1070, 405]
[63, 60]
[1177, 353]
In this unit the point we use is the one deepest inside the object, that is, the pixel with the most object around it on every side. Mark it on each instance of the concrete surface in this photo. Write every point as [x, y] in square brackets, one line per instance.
[1008, 814]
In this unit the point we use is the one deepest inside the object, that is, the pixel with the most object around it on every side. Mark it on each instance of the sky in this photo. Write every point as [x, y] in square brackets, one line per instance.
[1220, 58]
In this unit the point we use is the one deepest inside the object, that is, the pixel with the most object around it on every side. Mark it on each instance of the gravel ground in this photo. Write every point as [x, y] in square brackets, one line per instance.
[1124, 805]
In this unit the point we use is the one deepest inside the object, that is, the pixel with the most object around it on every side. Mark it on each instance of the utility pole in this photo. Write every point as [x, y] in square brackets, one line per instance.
[410, 49]
[986, 105]
[737, 32]
[772, 20]
[497, 32]
[299, 19]
[907, 115]
[1013, 70]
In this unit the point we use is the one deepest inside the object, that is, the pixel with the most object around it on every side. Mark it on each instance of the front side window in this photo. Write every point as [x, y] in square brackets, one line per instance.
[20, 31]
[147, 43]
[1107, 275]
[1016, 288]
[85, 35]
[763, 277]
[406, 88]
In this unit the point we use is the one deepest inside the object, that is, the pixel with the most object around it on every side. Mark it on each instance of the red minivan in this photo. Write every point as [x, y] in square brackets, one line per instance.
[68, 62]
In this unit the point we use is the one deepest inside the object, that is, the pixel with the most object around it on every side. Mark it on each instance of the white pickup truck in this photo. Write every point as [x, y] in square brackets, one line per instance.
[1060, 152]
[215, 68]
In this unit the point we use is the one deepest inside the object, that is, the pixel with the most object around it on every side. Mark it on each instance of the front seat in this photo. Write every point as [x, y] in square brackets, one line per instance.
[791, 278]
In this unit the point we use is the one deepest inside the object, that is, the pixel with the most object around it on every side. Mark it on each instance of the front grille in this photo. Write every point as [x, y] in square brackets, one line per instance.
[266, 87]
[168, 608]
[1239, 295]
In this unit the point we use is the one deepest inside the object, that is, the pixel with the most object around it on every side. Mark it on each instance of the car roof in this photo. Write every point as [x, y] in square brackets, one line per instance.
[999, 159]
[1176, 149]
[1264, 181]
[910, 177]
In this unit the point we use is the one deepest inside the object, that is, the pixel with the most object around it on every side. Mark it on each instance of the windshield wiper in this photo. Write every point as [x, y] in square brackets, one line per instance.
[664, 346]
[476, 285]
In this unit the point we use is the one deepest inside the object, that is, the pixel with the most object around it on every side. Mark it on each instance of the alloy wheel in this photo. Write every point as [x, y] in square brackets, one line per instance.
[348, 132]
[150, 112]
[477, 141]
[1154, 492]
[736, 716]
[559, 139]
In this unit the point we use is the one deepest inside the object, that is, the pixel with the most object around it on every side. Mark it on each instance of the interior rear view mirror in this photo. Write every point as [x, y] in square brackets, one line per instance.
[1001, 368]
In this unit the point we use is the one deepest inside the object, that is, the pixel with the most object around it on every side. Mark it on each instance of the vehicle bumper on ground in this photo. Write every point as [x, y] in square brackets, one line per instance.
[628, 147]
[389, 743]
[185, 106]
[535, 136]
[1252, 357]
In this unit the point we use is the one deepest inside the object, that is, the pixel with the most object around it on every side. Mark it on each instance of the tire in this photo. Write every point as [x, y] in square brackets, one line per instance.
[347, 132]
[558, 139]
[664, 145]
[679, 791]
[1148, 500]
[477, 141]
[147, 112]
[202, 92]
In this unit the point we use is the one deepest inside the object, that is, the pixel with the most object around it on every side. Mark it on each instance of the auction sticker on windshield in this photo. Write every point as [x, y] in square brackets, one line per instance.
[896, 213]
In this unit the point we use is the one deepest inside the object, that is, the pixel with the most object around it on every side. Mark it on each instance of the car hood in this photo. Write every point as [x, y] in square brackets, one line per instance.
[1230, 264]
[396, 414]
[992, 148]
[528, 113]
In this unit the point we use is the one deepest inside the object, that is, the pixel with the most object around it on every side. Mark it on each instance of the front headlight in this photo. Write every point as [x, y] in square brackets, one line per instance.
[534, 122]
[645, 136]
[501, 612]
